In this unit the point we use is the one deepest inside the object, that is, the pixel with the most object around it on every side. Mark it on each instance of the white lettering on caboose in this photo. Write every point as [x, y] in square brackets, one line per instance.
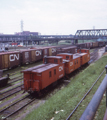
[71, 63]
[38, 53]
[14, 57]
[60, 68]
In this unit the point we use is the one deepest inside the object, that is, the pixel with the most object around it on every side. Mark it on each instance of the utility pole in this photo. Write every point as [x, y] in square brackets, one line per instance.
[21, 25]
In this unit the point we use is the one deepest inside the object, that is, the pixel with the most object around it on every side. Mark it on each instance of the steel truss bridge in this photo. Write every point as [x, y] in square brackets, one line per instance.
[79, 35]
[91, 34]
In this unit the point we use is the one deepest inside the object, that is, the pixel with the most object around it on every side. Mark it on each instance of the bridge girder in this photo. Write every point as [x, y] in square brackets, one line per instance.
[92, 33]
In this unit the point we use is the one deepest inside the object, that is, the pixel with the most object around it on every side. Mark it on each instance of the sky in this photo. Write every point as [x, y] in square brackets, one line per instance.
[52, 17]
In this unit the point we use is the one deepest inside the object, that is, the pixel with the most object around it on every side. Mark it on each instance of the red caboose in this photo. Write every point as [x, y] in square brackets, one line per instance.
[71, 62]
[39, 77]
[85, 55]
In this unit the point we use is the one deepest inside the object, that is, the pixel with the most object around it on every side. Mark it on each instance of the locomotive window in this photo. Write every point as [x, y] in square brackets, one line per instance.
[55, 61]
[77, 61]
[85, 51]
[67, 57]
[50, 74]
[54, 71]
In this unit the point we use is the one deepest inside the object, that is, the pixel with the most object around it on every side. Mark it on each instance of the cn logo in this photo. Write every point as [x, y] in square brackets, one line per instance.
[38, 53]
[14, 57]
[71, 63]
[53, 50]
[60, 68]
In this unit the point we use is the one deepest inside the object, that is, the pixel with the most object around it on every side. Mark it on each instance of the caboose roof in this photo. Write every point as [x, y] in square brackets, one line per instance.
[69, 47]
[58, 57]
[83, 54]
[65, 54]
[40, 70]
[78, 55]
[35, 67]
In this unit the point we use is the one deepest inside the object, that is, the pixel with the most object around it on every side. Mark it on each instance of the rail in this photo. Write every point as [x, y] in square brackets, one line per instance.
[84, 96]
[92, 107]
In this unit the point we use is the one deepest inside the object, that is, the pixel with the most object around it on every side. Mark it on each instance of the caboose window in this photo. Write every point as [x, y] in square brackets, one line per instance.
[55, 61]
[77, 61]
[54, 71]
[60, 60]
[67, 57]
[50, 74]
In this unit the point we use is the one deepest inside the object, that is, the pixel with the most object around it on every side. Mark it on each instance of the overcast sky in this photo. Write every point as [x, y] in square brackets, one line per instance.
[52, 16]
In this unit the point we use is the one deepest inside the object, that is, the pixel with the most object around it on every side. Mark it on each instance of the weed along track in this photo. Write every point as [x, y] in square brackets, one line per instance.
[18, 102]
[68, 99]
[15, 80]
[85, 96]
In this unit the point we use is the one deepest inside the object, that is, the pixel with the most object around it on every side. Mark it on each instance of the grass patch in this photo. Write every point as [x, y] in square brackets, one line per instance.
[60, 105]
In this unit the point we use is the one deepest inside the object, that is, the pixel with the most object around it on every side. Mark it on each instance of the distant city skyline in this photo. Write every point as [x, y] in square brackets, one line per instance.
[52, 17]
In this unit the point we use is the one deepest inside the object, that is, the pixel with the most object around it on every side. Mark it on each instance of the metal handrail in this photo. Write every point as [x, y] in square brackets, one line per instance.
[92, 107]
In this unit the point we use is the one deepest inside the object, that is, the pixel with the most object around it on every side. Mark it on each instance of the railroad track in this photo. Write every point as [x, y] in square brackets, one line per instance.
[7, 112]
[84, 96]
[16, 106]
[15, 80]
[10, 92]
[14, 73]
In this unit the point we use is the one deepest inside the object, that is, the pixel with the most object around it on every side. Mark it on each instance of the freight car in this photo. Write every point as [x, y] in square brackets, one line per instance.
[3, 80]
[9, 60]
[53, 68]
[70, 49]
[106, 48]
[14, 59]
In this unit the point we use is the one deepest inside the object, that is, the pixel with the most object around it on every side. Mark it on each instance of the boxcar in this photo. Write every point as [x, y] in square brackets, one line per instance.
[36, 54]
[72, 49]
[25, 56]
[9, 60]
[52, 51]
[100, 43]
[95, 44]
[45, 51]
[88, 46]
[81, 45]
[4, 81]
